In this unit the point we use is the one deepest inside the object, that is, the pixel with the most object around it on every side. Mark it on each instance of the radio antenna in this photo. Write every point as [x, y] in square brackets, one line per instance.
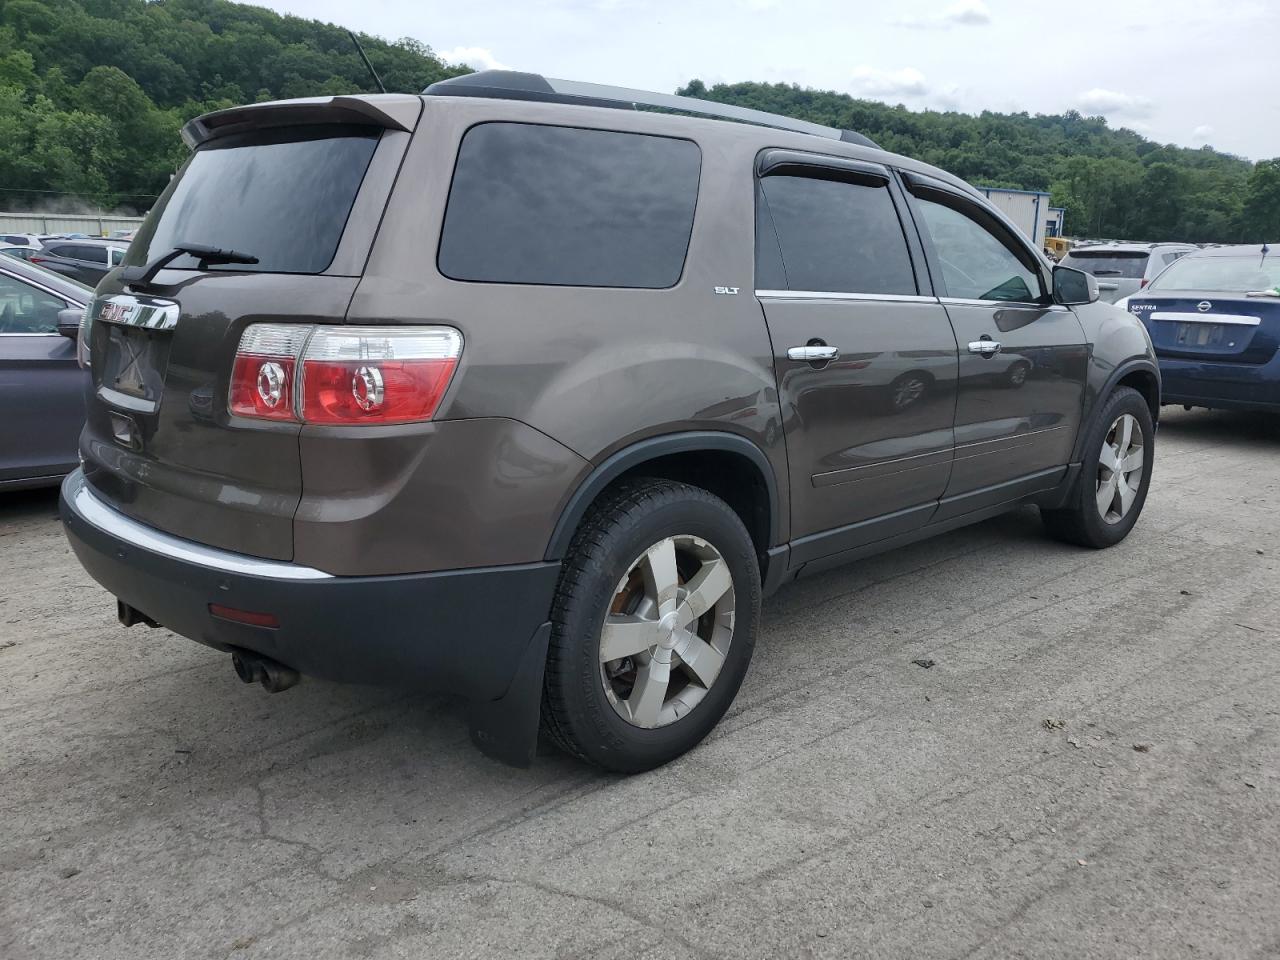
[372, 72]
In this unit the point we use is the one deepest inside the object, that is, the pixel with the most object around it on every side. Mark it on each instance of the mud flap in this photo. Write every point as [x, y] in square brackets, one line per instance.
[507, 728]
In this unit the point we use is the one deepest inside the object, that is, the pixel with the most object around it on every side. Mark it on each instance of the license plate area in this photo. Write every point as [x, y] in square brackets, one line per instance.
[134, 366]
[134, 346]
[1203, 335]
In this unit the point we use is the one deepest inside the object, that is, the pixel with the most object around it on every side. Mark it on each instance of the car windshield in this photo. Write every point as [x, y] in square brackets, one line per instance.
[1233, 274]
[1109, 263]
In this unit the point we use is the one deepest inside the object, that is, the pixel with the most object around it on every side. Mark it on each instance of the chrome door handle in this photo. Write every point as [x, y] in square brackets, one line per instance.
[986, 348]
[813, 354]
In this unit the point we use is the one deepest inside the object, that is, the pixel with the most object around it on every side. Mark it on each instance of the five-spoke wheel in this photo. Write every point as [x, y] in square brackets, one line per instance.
[652, 627]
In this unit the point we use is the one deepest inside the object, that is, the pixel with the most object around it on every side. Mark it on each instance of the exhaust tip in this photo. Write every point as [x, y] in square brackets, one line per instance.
[275, 677]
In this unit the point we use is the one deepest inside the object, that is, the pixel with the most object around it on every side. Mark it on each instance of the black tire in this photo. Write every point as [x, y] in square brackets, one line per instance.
[577, 715]
[1081, 522]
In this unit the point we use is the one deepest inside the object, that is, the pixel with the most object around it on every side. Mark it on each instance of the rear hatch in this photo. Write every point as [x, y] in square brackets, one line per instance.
[1118, 272]
[1216, 327]
[301, 187]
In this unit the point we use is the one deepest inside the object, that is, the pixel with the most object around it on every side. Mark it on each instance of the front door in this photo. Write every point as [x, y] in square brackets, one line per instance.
[41, 385]
[1023, 359]
[864, 353]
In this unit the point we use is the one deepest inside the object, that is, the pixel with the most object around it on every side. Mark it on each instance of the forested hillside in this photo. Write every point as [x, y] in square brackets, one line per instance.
[1113, 183]
[93, 93]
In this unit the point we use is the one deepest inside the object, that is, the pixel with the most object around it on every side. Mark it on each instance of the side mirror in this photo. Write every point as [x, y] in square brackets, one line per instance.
[69, 321]
[1071, 286]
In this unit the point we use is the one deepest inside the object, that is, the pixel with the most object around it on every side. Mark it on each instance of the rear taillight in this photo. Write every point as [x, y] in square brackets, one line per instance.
[37, 260]
[342, 375]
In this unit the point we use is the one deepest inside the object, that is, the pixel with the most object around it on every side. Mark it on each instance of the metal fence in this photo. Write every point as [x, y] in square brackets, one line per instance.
[94, 226]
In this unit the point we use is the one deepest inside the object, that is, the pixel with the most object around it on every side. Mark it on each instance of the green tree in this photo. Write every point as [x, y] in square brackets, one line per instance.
[1260, 219]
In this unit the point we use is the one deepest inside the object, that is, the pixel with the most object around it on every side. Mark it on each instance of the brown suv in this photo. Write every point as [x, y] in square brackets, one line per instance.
[516, 391]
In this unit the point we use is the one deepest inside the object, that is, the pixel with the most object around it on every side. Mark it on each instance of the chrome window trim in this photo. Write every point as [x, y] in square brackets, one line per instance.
[97, 514]
[964, 302]
[34, 333]
[1235, 319]
[836, 295]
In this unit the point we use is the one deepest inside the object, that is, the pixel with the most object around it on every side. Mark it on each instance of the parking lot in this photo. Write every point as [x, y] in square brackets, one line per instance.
[1091, 768]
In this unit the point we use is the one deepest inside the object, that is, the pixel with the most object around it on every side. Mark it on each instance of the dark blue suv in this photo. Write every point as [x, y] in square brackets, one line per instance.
[1214, 318]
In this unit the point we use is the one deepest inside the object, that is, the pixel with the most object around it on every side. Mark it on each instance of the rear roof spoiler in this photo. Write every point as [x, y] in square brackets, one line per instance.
[514, 85]
[394, 111]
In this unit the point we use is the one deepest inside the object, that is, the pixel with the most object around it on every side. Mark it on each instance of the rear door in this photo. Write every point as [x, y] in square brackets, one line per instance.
[864, 355]
[161, 444]
[41, 385]
[1023, 359]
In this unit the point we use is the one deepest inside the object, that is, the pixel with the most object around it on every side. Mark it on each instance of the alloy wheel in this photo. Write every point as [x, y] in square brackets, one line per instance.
[1120, 468]
[668, 631]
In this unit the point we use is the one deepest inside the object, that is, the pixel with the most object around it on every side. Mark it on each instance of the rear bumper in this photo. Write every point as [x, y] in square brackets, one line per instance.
[461, 631]
[1233, 386]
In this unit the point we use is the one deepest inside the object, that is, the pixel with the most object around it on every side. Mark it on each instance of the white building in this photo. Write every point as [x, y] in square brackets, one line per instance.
[1030, 210]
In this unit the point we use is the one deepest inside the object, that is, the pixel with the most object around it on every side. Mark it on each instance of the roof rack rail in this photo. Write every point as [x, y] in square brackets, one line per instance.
[516, 85]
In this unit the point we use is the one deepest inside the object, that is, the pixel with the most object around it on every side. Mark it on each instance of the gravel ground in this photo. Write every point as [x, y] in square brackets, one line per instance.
[1091, 769]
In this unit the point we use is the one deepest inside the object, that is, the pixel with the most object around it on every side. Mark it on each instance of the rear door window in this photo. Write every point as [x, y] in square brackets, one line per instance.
[281, 195]
[1128, 266]
[87, 254]
[564, 206]
[832, 236]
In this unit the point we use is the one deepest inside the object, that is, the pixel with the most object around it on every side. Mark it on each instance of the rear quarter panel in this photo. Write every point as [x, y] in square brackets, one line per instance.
[596, 369]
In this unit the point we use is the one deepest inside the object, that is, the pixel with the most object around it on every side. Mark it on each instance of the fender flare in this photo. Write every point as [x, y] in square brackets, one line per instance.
[651, 449]
[1118, 374]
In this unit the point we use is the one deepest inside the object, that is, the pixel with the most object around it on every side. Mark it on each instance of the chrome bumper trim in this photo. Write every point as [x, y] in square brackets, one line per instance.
[96, 513]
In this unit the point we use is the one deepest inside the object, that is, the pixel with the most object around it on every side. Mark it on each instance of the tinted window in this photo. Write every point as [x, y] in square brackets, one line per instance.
[563, 206]
[27, 309]
[86, 253]
[282, 196]
[837, 237]
[977, 263]
[12, 238]
[116, 257]
[1130, 266]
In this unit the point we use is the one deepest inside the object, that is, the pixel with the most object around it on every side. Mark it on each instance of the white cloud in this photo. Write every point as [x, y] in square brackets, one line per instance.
[907, 82]
[1202, 133]
[970, 13]
[962, 13]
[1112, 102]
[477, 58]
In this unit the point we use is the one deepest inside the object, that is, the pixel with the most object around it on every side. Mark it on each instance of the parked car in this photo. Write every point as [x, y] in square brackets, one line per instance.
[1125, 268]
[85, 260]
[21, 240]
[1214, 318]
[20, 253]
[41, 385]
[495, 392]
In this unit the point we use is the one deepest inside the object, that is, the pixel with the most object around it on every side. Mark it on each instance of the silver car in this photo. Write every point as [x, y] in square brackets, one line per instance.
[1125, 268]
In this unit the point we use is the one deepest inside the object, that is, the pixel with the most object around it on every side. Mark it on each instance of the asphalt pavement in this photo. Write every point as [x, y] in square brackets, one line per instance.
[1089, 769]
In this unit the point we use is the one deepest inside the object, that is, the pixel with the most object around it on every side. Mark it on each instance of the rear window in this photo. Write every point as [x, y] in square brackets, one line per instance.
[281, 195]
[1246, 274]
[568, 207]
[1109, 264]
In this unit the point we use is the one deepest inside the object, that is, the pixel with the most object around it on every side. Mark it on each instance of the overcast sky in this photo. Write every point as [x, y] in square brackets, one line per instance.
[1182, 71]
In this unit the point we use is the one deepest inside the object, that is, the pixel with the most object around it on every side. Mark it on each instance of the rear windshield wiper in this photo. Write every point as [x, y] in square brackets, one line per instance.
[204, 254]
[1105, 273]
[1273, 292]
